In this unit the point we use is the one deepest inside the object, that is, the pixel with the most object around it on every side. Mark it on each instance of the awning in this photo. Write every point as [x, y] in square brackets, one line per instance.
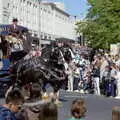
[62, 39]
[44, 42]
[4, 29]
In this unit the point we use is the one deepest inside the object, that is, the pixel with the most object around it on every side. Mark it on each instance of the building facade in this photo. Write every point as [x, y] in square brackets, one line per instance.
[26, 11]
[4, 12]
[55, 22]
[45, 20]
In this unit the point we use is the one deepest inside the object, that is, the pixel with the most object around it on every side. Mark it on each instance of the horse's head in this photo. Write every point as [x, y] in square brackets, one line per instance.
[68, 54]
[56, 57]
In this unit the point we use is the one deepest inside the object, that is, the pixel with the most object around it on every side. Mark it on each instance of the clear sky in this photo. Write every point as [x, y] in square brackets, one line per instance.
[75, 7]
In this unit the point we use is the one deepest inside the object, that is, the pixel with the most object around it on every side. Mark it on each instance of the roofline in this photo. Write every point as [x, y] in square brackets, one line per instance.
[55, 6]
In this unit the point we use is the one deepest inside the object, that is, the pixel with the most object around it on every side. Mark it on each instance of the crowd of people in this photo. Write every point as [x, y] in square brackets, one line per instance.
[98, 76]
[16, 108]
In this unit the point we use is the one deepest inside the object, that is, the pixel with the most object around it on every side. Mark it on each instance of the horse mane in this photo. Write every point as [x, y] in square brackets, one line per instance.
[36, 68]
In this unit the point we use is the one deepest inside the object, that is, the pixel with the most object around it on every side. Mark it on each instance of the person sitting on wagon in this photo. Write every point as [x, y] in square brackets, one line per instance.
[14, 29]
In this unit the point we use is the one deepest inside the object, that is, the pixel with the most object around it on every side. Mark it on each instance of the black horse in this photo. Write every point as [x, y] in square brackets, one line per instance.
[49, 68]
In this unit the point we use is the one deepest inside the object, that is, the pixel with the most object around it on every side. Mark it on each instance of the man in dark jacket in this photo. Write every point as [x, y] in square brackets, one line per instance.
[22, 36]
[14, 29]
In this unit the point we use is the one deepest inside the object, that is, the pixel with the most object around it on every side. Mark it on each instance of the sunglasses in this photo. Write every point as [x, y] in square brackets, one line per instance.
[19, 107]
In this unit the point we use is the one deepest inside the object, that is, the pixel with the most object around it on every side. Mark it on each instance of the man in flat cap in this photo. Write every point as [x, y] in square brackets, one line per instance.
[14, 29]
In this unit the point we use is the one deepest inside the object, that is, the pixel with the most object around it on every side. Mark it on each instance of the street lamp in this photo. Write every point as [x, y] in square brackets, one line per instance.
[39, 25]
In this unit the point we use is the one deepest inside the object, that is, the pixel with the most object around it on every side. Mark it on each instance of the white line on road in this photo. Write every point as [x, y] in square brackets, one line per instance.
[75, 96]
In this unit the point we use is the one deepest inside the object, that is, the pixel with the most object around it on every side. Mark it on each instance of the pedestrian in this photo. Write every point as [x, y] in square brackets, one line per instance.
[76, 75]
[14, 102]
[96, 78]
[70, 77]
[118, 81]
[78, 109]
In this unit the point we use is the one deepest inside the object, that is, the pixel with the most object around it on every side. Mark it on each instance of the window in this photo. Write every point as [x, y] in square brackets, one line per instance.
[30, 3]
[5, 15]
[49, 12]
[45, 37]
[41, 36]
[44, 9]
[49, 37]
[8, 5]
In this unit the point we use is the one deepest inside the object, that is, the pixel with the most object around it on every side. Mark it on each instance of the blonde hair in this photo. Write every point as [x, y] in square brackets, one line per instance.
[49, 112]
[78, 108]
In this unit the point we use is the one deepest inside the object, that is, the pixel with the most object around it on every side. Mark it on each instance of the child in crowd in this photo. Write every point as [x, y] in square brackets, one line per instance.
[14, 102]
[37, 109]
[78, 109]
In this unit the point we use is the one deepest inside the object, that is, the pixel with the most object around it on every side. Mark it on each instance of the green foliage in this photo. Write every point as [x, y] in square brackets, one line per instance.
[102, 25]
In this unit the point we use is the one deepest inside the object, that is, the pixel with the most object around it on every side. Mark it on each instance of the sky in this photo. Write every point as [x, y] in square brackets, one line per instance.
[75, 7]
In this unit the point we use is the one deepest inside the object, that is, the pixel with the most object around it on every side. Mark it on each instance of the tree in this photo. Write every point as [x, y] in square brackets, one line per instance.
[102, 25]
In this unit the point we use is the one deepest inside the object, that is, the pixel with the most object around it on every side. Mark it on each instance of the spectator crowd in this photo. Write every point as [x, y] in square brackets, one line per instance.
[100, 76]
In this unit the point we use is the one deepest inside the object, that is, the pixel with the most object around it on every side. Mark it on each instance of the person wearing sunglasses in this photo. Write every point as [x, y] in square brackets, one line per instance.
[14, 102]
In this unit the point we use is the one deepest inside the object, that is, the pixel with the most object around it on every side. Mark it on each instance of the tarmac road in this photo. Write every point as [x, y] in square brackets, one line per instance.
[99, 107]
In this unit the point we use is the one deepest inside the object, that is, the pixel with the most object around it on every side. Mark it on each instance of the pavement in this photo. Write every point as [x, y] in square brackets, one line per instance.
[99, 107]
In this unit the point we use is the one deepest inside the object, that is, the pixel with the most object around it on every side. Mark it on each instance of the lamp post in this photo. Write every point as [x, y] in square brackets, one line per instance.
[39, 25]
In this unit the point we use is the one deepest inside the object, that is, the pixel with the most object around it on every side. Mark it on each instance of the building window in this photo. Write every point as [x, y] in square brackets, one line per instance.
[8, 5]
[45, 37]
[30, 3]
[49, 37]
[49, 12]
[44, 9]
[41, 36]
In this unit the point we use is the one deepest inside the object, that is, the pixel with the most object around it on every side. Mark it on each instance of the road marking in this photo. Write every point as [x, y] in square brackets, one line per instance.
[75, 96]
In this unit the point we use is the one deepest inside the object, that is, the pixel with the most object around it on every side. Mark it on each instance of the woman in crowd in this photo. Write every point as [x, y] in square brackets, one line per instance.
[78, 109]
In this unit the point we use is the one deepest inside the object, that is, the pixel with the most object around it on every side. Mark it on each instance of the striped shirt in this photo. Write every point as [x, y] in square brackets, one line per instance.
[6, 114]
